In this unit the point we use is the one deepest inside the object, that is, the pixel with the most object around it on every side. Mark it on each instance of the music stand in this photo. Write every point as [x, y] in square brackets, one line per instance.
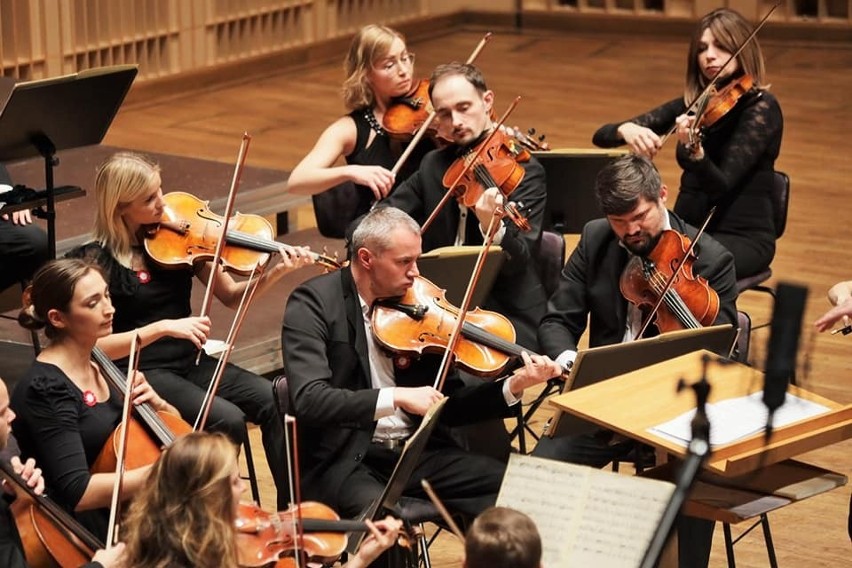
[571, 174]
[45, 116]
[450, 268]
[601, 363]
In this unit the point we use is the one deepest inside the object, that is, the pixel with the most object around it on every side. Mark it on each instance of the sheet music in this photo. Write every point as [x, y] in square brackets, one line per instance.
[586, 517]
[737, 418]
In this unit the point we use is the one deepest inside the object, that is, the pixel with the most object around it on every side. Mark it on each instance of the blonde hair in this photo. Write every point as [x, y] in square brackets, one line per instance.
[121, 179]
[370, 44]
[184, 514]
[730, 30]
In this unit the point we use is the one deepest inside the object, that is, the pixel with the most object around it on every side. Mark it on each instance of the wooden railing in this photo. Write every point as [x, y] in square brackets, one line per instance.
[47, 38]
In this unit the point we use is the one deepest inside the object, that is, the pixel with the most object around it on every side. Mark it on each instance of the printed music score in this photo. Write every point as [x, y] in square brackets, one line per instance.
[586, 516]
[737, 418]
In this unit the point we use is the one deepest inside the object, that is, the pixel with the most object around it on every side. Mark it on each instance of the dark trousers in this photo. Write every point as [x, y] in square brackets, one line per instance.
[466, 483]
[23, 249]
[241, 396]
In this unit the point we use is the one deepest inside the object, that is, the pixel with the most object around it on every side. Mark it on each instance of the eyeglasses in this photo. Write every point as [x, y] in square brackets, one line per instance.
[392, 65]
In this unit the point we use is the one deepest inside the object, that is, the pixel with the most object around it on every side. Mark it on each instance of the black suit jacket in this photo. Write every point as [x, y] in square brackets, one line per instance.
[518, 292]
[589, 286]
[327, 365]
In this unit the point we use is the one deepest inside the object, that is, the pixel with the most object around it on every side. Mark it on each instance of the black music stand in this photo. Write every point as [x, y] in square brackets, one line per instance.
[571, 173]
[45, 116]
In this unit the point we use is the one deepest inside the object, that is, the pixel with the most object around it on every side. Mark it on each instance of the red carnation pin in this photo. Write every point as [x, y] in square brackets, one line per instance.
[89, 398]
[144, 276]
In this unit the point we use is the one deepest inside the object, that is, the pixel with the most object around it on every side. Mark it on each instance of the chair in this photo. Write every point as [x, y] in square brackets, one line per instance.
[252, 475]
[740, 349]
[10, 299]
[780, 204]
[551, 261]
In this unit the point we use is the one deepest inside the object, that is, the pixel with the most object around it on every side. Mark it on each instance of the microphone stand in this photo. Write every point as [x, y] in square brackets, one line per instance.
[697, 453]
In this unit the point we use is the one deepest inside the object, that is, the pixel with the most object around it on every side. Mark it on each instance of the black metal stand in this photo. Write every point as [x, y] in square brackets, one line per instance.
[47, 150]
[42, 117]
[697, 452]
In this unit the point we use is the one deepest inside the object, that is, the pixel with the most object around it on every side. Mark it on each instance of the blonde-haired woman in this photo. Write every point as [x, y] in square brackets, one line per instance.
[731, 164]
[185, 516]
[379, 68]
[154, 303]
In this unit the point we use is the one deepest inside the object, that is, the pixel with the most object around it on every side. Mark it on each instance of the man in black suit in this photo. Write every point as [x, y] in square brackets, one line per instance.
[463, 105]
[633, 198]
[356, 405]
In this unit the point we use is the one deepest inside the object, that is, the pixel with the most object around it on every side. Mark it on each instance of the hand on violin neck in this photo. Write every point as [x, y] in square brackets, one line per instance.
[290, 259]
[416, 400]
[537, 369]
[641, 140]
[29, 473]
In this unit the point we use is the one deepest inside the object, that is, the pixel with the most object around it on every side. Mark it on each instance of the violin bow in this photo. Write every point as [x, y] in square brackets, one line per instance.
[429, 119]
[292, 451]
[445, 514]
[675, 274]
[456, 334]
[701, 99]
[220, 245]
[236, 325]
[132, 367]
[469, 162]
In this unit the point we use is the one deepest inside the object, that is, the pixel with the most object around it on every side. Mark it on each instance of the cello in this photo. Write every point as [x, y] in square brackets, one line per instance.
[50, 536]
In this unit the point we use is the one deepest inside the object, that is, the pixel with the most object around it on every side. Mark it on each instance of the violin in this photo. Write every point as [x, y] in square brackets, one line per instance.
[50, 536]
[689, 303]
[497, 164]
[189, 232]
[423, 319]
[160, 428]
[721, 102]
[406, 114]
[264, 538]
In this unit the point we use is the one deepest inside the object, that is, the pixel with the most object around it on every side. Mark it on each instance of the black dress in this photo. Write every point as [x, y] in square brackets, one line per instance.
[64, 435]
[736, 174]
[169, 363]
[337, 207]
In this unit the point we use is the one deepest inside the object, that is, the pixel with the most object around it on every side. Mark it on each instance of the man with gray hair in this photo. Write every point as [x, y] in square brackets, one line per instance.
[357, 405]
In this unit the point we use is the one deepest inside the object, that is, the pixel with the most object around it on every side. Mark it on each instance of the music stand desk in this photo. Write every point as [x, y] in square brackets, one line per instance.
[632, 403]
[61, 194]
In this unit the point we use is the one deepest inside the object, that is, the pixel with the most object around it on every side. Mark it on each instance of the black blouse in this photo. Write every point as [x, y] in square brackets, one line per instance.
[165, 295]
[65, 436]
[736, 173]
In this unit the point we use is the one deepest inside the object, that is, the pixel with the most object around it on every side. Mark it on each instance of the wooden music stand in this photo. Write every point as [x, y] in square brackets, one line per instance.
[42, 117]
[743, 479]
[634, 402]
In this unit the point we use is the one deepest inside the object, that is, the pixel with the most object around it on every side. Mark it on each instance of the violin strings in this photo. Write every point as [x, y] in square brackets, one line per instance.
[673, 301]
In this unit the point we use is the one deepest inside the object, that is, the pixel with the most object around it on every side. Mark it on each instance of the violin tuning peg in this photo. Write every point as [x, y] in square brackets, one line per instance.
[531, 131]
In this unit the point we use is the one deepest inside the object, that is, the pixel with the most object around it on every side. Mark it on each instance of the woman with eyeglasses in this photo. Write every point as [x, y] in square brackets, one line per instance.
[379, 69]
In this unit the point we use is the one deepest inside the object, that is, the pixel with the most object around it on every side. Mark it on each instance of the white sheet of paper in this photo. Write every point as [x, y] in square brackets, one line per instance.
[585, 516]
[737, 418]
